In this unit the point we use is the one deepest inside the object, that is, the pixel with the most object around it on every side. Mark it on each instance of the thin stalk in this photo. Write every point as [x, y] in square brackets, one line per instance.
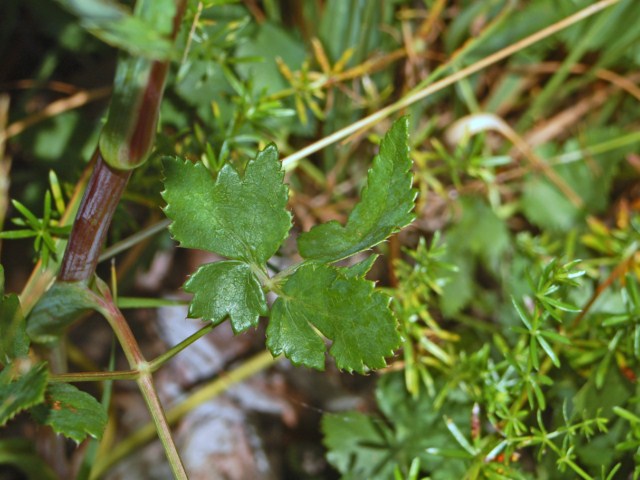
[134, 239]
[144, 435]
[145, 383]
[156, 363]
[291, 161]
[94, 376]
[134, 374]
[137, 362]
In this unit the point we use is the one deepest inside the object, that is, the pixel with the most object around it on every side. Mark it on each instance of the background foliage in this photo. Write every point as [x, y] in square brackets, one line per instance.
[516, 288]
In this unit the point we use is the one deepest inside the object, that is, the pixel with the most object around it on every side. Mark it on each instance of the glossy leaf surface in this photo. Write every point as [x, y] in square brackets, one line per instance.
[321, 301]
[227, 288]
[385, 207]
[238, 217]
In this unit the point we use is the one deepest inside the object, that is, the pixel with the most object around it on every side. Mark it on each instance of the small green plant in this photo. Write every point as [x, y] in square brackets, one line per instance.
[313, 296]
[504, 325]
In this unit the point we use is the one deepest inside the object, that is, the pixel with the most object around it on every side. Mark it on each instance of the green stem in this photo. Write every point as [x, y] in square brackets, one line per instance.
[145, 383]
[156, 363]
[153, 365]
[137, 362]
[144, 435]
[94, 376]
[134, 239]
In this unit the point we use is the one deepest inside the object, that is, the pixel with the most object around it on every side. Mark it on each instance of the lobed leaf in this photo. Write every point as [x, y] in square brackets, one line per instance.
[321, 301]
[241, 218]
[385, 207]
[71, 412]
[227, 288]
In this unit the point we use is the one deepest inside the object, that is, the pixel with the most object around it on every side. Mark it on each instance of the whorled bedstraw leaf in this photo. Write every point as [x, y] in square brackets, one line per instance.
[22, 386]
[322, 301]
[226, 288]
[385, 207]
[71, 412]
[239, 217]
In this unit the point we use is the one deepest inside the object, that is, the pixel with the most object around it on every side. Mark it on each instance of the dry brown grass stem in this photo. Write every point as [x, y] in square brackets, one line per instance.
[55, 108]
[367, 122]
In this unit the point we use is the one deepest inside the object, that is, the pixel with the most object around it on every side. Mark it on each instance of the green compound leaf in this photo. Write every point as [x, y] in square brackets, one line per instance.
[227, 288]
[20, 389]
[320, 300]
[385, 207]
[71, 412]
[241, 218]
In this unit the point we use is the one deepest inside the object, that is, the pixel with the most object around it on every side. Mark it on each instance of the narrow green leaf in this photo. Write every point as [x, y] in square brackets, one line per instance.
[385, 207]
[627, 415]
[20, 390]
[566, 307]
[449, 453]
[459, 436]
[554, 336]
[17, 234]
[241, 218]
[318, 301]
[533, 352]
[615, 320]
[46, 217]
[548, 350]
[71, 412]
[227, 289]
[631, 288]
[56, 190]
[33, 222]
[542, 401]
[521, 313]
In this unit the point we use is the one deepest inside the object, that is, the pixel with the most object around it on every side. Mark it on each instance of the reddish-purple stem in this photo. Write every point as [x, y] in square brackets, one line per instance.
[92, 221]
[107, 184]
